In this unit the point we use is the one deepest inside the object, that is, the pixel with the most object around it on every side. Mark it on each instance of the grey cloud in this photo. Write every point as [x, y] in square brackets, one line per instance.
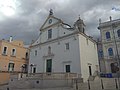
[31, 14]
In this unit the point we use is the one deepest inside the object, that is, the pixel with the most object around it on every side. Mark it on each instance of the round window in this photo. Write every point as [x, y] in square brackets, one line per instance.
[50, 21]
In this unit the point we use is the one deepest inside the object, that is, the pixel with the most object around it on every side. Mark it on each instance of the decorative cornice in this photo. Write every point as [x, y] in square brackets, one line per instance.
[109, 24]
[110, 41]
[54, 40]
[63, 37]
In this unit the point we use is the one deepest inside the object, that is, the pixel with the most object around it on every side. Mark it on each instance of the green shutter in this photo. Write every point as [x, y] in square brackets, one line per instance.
[49, 65]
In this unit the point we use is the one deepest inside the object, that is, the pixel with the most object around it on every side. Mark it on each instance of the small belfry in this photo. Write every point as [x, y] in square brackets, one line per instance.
[79, 25]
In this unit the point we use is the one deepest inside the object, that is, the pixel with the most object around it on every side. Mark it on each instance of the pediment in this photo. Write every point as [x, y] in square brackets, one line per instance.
[50, 21]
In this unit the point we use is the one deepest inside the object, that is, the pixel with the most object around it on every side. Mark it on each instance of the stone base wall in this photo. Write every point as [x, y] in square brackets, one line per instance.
[51, 80]
[4, 77]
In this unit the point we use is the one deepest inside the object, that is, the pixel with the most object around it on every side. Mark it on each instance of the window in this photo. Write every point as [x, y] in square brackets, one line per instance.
[90, 70]
[49, 65]
[67, 68]
[100, 53]
[35, 52]
[118, 33]
[34, 70]
[50, 34]
[67, 46]
[11, 67]
[110, 52]
[107, 35]
[5, 51]
[13, 52]
[50, 21]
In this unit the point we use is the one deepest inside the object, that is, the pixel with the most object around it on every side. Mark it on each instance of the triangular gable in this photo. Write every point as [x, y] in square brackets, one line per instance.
[51, 20]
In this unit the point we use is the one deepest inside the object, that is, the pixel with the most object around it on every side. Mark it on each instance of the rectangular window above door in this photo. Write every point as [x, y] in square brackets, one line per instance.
[49, 65]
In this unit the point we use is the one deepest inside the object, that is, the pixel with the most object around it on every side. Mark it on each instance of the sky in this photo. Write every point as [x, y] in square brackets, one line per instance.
[22, 19]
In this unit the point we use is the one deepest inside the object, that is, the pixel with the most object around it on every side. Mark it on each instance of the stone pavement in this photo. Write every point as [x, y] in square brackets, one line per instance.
[108, 84]
[60, 88]
[97, 84]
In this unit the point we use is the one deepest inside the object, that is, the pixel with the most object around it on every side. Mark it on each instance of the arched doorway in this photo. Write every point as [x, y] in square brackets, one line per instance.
[114, 67]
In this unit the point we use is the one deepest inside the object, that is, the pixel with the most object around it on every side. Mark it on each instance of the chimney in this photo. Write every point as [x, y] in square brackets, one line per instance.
[10, 39]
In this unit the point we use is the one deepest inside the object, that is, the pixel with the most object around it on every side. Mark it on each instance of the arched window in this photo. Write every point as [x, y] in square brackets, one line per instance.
[118, 33]
[107, 35]
[100, 53]
[110, 52]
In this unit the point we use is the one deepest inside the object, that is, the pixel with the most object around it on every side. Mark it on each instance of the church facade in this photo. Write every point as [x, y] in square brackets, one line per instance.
[65, 49]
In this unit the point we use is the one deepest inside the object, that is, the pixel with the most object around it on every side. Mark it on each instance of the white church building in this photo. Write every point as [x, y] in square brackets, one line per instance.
[61, 48]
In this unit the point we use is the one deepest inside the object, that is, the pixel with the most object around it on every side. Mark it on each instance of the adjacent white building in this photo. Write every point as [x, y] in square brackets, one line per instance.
[62, 48]
[110, 36]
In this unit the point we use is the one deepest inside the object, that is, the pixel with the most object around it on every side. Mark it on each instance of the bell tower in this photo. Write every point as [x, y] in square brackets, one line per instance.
[79, 25]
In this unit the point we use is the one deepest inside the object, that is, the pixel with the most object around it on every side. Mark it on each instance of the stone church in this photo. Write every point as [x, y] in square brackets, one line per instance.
[61, 48]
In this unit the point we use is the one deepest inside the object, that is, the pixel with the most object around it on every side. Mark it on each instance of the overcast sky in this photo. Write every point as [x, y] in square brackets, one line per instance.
[23, 18]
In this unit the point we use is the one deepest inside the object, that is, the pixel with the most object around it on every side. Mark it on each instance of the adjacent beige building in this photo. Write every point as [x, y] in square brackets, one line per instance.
[13, 57]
